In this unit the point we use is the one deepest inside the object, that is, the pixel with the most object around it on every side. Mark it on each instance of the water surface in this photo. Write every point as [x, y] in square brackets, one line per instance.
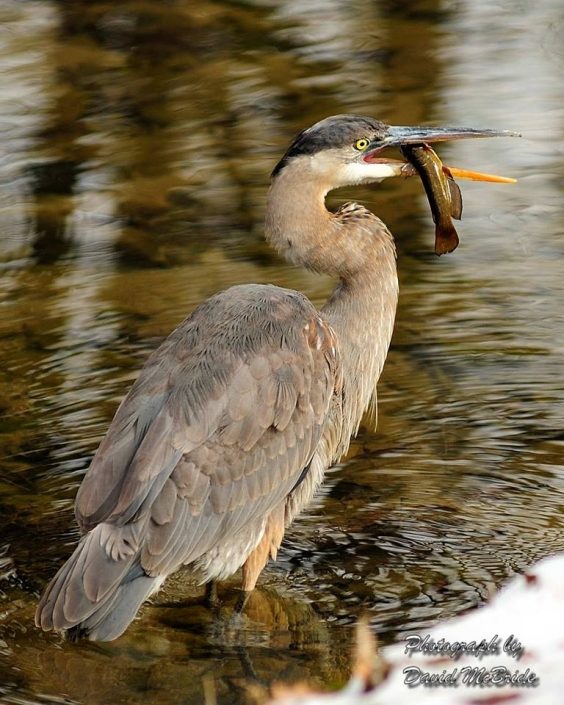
[137, 139]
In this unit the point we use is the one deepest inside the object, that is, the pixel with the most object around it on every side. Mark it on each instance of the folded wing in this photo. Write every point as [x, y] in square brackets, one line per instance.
[212, 437]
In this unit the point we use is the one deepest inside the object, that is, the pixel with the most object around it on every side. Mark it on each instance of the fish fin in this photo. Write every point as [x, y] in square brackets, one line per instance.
[455, 199]
[446, 239]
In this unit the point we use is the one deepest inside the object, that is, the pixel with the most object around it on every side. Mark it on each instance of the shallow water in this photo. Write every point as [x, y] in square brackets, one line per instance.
[137, 139]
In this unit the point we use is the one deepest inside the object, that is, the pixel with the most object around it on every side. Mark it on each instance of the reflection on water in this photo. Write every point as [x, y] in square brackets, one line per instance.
[137, 138]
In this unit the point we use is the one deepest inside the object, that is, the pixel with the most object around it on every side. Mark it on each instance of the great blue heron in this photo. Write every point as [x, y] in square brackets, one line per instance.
[228, 430]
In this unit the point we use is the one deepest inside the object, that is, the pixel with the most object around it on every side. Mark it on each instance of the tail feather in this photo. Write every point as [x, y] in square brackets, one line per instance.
[94, 594]
[116, 614]
[50, 611]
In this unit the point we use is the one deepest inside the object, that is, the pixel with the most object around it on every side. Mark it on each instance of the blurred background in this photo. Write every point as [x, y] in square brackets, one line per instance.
[137, 138]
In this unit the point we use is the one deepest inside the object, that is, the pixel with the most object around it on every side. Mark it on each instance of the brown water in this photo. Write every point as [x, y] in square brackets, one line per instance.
[136, 142]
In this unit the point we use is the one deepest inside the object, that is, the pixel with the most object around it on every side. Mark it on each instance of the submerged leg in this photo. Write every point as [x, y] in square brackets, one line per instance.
[242, 601]
[211, 597]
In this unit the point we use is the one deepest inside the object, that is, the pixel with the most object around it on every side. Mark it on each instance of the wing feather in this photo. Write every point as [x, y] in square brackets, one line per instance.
[218, 428]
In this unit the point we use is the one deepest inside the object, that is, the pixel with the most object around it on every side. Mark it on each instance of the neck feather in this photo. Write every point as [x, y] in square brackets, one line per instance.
[348, 244]
[356, 247]
[297, 221]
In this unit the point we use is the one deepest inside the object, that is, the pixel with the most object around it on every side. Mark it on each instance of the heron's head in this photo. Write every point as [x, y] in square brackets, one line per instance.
[350, 149]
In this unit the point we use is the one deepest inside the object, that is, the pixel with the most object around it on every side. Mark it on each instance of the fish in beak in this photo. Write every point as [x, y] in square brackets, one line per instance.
[442, 191]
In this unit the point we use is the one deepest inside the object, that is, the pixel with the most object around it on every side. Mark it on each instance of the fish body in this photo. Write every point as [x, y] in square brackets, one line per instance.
[442, 192]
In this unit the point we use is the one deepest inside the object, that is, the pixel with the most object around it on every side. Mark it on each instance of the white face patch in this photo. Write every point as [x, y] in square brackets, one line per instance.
[365, 172]
[334, 170]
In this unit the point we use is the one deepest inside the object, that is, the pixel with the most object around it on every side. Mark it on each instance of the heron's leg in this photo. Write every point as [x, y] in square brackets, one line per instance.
[242, 601]
[267, 548]
[211, 594]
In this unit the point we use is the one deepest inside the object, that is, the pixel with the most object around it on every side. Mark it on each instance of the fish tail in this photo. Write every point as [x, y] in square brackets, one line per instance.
[446, 238]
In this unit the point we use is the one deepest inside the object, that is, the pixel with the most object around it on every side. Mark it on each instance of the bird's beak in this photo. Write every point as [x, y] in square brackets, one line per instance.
[396, 136]
[400, 135]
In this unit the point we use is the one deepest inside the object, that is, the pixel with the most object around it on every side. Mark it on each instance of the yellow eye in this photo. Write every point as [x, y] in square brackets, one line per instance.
[361, 144]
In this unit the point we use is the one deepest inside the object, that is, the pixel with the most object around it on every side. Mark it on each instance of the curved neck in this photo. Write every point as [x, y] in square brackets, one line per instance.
[355, 246]
[297, 220]
[349, 244]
